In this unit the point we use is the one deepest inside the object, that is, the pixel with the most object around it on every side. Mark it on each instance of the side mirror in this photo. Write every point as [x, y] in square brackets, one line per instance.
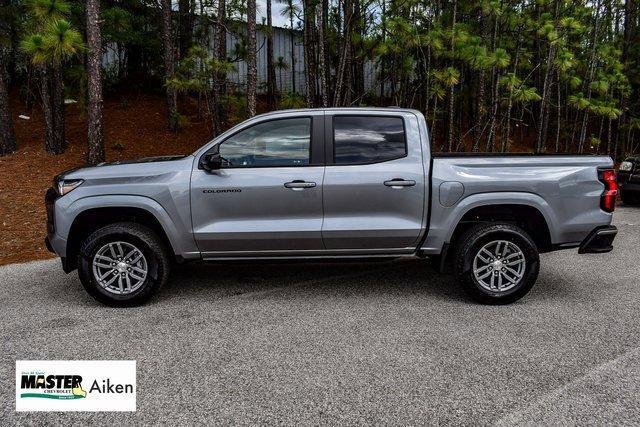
[211, 162]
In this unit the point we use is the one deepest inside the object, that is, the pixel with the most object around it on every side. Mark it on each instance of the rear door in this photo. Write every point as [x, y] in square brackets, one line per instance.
[374, 185]
[267, 198]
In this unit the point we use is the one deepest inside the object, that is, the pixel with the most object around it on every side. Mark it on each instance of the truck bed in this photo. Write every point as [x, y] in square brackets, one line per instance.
[564, 188]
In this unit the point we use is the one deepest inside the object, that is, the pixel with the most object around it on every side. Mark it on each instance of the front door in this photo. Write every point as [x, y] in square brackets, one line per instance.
[374, 186]
[267, 198]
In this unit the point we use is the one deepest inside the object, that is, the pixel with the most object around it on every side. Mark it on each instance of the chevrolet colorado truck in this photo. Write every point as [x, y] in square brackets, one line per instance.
[329, 183]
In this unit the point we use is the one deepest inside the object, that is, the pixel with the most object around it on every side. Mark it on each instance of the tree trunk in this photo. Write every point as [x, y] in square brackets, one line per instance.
[169, 62]
[495, 100]
[357, 60]
[451, 91]
[541, 140]
[186, 27]
[325, 47]
[309, 53]
[591, 71]
[46, 103]
[342, 71]
[219, 79]
[7, 133]
[427, 80]
[251, 58]
[10, 31]
[271, 69]
[321, 56]
[507, 127]
[95, 137]
[432, 136]
[543, 117]
[480, 107]
[609, 138]
[59, 144]
[630, 23]
[293, 57]
[384, 40]
[558, 115]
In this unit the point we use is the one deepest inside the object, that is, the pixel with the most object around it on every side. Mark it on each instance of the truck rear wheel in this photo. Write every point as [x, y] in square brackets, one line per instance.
[496, 263]
[123, 264]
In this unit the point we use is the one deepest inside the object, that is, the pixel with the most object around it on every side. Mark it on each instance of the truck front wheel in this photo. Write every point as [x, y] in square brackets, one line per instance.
[123, 264]
[496, 263]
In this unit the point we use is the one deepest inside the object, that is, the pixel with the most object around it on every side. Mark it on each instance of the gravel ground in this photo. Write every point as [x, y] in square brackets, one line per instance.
[346, 343]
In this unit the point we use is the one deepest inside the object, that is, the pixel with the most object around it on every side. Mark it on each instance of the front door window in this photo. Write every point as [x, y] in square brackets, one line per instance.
[277, 143]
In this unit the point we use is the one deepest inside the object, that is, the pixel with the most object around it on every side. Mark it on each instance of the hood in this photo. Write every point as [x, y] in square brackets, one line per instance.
[144, 160]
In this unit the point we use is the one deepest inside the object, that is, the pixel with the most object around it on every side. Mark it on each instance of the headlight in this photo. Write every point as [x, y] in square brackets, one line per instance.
[626, 166]
[65, 185]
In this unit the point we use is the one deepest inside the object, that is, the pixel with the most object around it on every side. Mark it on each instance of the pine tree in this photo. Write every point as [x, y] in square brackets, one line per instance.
[53, 41]
[252, 83]
[271, 69]
[169, 64]
[290, 10]
[95, 153]
[7, 133]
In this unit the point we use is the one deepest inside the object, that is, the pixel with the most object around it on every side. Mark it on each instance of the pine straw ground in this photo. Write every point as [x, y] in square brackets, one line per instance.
[135, 126]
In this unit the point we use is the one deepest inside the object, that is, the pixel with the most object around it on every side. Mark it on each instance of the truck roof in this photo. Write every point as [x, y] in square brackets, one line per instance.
[345, 109]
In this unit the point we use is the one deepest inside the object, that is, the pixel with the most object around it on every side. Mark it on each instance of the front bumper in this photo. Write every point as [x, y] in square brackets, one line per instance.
[47, 243]
[600, 240]
[53, 241]
[56, 245]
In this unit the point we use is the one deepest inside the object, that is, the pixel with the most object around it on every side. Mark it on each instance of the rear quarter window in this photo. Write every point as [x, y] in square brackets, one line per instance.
[368, 139]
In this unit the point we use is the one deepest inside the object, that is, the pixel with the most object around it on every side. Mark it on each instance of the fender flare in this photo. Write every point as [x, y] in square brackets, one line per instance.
[504, 198]
[129, 201]
[445, 220]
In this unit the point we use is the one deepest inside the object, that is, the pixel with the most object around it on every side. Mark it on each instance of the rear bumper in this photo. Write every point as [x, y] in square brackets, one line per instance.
[600, 240]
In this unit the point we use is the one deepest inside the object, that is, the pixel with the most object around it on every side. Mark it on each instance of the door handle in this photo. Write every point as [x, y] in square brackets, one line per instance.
[299, 184]
[399, 182]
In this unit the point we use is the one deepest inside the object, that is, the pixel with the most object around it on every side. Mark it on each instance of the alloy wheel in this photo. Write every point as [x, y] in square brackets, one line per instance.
[120, 268]
[499, 266]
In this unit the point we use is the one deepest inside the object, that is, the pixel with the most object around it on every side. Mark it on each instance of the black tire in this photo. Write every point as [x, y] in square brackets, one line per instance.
[151, 246]
[473, 240]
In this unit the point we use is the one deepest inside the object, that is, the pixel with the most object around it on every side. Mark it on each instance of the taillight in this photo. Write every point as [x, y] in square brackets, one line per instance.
[610, 193]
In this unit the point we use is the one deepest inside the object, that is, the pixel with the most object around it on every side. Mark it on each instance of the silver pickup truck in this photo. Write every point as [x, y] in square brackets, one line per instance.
[332, 183]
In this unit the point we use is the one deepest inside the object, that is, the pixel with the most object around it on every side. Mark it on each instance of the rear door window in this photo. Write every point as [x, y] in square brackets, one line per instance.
[368, 139]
